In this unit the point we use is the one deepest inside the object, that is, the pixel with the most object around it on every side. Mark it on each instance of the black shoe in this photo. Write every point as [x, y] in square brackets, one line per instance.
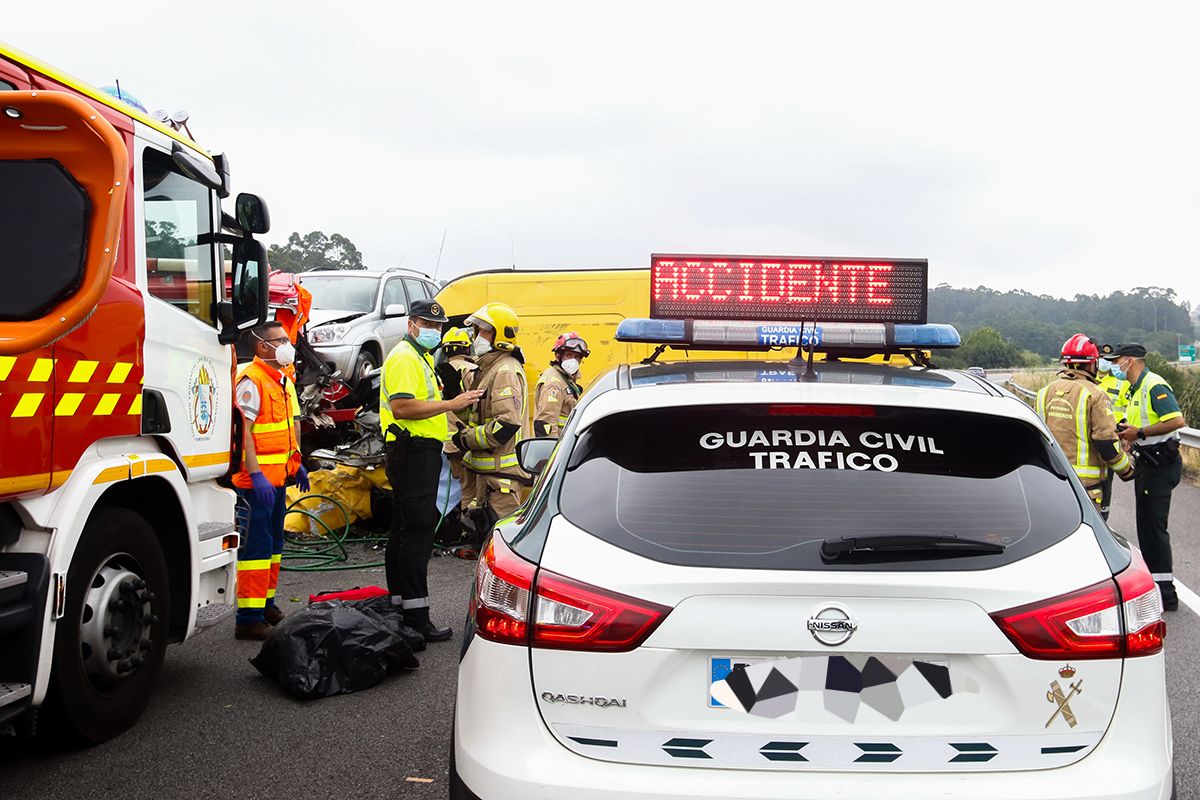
[431, 632]
[1171, 603]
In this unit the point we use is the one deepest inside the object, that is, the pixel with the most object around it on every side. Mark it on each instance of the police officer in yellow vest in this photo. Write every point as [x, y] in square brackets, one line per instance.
[1151, 431]
[558, 389]
[412, 414]
[270, 457]
[1115, 388]
[490, 442]
[1078, 414]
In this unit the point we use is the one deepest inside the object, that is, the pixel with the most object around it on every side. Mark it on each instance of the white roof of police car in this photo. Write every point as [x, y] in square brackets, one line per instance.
[735, 382]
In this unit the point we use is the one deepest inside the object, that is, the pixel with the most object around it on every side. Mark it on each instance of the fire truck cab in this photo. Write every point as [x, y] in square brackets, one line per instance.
[116, 401]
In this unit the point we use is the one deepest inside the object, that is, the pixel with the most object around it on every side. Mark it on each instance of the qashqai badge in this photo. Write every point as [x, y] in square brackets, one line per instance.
[831, 624]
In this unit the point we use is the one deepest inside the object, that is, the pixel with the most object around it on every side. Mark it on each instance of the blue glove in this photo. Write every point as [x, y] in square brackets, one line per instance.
[264, 492]
[302, 479]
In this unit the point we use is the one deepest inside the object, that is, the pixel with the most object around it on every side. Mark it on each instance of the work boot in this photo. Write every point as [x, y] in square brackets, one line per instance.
[273, 615]
[252, 631]
[429, 632]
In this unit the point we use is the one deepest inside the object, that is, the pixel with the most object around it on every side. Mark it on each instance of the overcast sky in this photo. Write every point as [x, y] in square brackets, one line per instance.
[1044, 146]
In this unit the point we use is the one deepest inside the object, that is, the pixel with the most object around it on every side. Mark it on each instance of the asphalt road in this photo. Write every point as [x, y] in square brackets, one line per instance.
[216, 728]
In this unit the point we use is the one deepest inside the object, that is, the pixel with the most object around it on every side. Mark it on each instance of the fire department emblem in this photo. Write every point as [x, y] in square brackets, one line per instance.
[202, 399]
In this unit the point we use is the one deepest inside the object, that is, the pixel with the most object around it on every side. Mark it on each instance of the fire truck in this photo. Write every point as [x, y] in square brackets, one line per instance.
[117, 331]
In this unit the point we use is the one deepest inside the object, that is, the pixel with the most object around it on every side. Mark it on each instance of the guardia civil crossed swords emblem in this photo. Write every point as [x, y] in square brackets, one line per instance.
[1055, 695]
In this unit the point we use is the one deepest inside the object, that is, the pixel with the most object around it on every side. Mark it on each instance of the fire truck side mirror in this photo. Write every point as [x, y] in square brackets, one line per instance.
[249, 287]
[252, 214]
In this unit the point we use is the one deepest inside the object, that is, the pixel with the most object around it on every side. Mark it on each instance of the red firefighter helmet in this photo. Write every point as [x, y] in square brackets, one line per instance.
[1080, 349]
[571, 341]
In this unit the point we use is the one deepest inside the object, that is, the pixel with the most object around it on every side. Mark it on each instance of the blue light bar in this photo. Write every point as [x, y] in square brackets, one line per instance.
[841, 337]
[927, 336]
[654, 331]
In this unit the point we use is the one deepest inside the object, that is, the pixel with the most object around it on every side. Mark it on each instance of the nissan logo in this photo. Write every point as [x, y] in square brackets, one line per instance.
[831, 624]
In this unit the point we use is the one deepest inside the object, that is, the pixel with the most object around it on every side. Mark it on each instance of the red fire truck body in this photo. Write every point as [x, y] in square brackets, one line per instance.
[116, 413]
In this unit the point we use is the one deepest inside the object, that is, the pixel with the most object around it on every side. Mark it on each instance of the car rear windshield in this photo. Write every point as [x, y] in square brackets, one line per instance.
[758, 486]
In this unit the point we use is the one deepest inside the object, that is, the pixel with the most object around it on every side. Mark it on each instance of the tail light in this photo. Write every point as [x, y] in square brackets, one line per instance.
[554, 612]
[1115, 618]
[819, 410]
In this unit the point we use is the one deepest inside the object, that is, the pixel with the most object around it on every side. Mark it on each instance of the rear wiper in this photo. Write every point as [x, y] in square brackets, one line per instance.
[906, 544]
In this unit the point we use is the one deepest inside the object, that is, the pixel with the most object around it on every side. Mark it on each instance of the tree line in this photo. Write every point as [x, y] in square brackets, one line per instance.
[314, 250]
[1018, 328]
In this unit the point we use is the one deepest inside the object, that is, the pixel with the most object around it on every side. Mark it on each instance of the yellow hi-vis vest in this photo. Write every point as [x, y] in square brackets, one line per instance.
[1140, 411]
[1115, 388]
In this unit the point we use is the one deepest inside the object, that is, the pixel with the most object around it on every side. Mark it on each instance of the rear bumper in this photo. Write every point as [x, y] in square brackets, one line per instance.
[502, 750]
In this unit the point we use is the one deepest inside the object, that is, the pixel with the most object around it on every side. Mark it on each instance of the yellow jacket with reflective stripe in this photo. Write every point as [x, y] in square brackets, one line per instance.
[555, 398]
[1140, 411]
[408, 372]
[276, 443]
[501, 376]
[1078, 414]
[1115, 388]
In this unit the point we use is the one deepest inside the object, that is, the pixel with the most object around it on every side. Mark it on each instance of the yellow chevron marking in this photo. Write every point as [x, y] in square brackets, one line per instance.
[120, 372]
[43, 368]
[68, 404]
[82, 373]
[106, 405]
[27, 406]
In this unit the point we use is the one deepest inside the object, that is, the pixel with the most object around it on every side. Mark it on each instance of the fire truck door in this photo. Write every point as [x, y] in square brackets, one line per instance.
[181, 272]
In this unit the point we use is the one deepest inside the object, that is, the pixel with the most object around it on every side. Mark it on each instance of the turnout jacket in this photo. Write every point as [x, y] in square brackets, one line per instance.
[497, 422]
[1080, 417]
[555, 397]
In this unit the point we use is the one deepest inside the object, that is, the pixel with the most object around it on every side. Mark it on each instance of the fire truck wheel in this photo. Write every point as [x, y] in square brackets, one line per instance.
[110, 642]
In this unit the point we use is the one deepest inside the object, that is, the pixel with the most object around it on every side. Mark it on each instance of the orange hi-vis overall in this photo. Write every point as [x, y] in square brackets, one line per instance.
[278, 450]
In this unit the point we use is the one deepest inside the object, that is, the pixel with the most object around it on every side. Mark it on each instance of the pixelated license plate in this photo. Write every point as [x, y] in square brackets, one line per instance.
[720, 666]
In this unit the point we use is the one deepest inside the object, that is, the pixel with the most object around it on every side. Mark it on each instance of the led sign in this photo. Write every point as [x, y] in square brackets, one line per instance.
[788, 288]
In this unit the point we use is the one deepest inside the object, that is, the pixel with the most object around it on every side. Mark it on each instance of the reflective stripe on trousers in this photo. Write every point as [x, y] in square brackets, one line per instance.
[490, 463]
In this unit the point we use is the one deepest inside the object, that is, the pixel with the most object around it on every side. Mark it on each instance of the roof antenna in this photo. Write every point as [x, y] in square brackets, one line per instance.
[117, 81]
[513, 244]
[438, 266]
[809, 373]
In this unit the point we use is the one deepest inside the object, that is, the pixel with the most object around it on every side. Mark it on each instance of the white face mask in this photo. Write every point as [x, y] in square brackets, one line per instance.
[285, 354]
[570, 365]
[481, 346]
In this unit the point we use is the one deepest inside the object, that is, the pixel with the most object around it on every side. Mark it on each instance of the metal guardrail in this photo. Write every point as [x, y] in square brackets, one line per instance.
[1019, 390]
[1188, 437]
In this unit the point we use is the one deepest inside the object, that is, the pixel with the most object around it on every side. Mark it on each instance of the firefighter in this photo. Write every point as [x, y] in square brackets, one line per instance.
[558, 389]
[270, 457]
[1078, 414]
[490, 442]
[412, 413]
[1151, 431]
[1115, 388]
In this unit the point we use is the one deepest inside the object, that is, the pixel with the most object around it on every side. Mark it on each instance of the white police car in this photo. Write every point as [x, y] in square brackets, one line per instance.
[834, 580]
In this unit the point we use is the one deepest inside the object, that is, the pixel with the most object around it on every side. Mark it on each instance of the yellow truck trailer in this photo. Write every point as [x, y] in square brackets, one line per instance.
[590, 302]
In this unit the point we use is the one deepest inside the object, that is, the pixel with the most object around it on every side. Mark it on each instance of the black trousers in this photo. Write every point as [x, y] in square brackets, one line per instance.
[1153, 485]
[413, 471]
[1106, 494]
